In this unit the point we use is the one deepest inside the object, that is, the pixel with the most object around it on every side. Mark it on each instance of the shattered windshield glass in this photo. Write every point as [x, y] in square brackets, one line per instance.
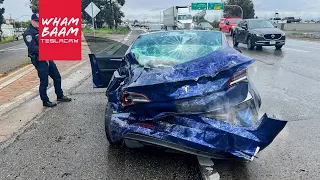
[165, 49]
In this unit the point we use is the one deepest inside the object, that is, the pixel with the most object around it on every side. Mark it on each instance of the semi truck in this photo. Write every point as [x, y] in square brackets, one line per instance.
[177, 17]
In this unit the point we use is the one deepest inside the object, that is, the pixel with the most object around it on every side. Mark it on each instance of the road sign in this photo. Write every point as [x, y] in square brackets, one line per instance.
[199, 6]
[216, 6]
[92, 10]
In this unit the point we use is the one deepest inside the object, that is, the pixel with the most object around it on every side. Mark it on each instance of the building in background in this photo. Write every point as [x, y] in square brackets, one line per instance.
[7, 30]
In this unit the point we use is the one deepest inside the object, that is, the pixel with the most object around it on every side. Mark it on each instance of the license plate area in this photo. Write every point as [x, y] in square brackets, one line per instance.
[272, 42]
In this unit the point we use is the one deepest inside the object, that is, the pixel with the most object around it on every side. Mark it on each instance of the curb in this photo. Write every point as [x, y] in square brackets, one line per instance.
[5, 108]
[18, 74]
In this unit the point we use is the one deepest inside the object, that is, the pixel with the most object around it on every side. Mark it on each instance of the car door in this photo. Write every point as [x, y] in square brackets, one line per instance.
[242, 31]
[221, 24]
[225, 26]
[103, 68]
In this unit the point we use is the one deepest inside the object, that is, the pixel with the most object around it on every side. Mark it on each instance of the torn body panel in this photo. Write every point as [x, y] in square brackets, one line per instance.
[218, 139]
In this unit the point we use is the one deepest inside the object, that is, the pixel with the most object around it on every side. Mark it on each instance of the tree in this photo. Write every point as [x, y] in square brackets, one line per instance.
[2, 10]
[246, 5]
[110, 12]
[34, 6]
[118, 15]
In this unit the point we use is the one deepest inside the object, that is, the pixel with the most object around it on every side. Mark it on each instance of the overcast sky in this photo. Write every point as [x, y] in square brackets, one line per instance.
[150, 9]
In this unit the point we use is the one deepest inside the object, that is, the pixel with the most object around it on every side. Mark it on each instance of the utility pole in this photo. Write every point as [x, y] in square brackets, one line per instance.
[94, 31]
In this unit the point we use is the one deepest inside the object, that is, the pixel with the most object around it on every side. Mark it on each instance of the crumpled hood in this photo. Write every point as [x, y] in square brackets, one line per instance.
[209, 65]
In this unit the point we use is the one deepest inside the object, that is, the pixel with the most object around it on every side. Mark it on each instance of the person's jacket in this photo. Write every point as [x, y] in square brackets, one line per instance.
[31, 38]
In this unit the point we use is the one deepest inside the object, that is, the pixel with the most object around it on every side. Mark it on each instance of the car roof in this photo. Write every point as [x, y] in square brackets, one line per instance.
[179, 31]
[256, 19]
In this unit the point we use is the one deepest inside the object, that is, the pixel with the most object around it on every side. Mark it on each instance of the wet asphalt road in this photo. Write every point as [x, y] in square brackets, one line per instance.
[68, 142]
[12, 55]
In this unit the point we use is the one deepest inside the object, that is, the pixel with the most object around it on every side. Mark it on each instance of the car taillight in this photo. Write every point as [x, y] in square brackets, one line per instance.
[238, 77]
[131, 98]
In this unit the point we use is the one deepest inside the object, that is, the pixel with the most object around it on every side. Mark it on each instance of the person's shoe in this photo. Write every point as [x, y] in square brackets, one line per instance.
[64, 99]
[49, 104]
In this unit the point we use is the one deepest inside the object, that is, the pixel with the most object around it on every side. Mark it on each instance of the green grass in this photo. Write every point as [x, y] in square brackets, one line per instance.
[120, 30]
[7, 39]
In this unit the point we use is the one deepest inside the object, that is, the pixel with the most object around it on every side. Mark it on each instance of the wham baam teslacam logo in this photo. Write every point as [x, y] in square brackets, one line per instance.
[60, 30]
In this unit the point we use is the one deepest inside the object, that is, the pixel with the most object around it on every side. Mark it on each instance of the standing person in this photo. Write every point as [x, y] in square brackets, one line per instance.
[44, 68]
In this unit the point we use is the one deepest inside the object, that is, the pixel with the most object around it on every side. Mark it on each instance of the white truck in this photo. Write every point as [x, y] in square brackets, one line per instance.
[178, 17]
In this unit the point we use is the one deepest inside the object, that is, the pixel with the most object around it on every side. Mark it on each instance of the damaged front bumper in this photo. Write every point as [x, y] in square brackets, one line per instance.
[199, 135]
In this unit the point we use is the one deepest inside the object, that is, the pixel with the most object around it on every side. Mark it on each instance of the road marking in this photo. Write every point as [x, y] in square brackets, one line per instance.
[296, 49]
[9, 49]
[207, 169]
[306, 46]
[121, 41]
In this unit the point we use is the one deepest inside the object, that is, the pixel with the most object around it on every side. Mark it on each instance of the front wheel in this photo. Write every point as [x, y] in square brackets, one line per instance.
[278, 47]
[234, 40]
[250, 45]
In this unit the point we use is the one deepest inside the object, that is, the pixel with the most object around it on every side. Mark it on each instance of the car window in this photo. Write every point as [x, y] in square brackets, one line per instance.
[206, 25]
[260, 24]
[234, 21]
[184, 17]
[170, 48]
[244, 23]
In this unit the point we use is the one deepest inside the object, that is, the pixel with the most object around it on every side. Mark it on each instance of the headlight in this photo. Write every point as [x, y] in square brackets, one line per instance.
[259, 35]
[283, 34]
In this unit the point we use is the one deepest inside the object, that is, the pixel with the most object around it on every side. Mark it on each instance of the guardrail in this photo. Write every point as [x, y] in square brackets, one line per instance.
[304, 27]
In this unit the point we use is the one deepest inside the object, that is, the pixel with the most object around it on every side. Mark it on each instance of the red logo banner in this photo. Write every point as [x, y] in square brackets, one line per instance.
[60, 30]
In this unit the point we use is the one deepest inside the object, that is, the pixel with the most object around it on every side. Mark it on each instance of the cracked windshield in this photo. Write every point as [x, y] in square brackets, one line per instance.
[161, 90]
[168, 49]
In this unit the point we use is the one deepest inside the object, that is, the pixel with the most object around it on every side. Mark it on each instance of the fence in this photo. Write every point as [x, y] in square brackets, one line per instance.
[302, 27]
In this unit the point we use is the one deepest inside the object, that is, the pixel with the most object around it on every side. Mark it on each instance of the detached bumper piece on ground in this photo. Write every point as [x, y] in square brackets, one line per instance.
[204, 106]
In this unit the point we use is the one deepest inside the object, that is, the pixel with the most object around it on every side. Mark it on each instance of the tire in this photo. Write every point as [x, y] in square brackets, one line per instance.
[108, 128]
[259, 47]
[234, 41]
[278, 47]
[250, 46]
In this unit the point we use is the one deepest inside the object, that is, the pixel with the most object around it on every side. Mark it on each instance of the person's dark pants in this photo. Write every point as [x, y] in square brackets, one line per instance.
[46, 69]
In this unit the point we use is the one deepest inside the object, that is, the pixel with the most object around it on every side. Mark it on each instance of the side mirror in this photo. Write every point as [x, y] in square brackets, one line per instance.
[244, 27]
[227, 23]
[236, 48]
